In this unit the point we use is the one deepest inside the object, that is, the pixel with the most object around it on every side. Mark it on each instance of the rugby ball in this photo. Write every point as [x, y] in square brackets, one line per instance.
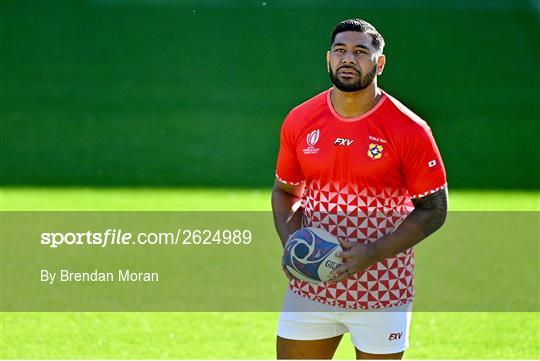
[310, 255]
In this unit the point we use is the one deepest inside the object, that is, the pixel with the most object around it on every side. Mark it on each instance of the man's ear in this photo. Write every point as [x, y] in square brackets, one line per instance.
[328, 60]
[381, 62]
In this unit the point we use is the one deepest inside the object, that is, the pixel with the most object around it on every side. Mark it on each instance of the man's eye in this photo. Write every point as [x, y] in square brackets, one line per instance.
[361, 52]
[339, 50]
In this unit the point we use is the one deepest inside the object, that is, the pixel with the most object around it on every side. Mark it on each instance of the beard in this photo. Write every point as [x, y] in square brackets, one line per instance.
[362, 83]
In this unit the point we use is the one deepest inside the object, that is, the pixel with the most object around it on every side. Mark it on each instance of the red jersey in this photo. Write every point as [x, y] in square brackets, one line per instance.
[360, 175]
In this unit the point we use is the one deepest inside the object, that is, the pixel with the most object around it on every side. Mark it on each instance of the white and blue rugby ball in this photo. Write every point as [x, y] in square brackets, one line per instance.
[310, 255]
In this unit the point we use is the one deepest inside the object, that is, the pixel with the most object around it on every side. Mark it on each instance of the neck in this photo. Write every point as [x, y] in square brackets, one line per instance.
[353, 104]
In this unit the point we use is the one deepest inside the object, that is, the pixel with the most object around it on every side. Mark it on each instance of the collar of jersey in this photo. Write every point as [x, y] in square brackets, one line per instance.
[353, 119]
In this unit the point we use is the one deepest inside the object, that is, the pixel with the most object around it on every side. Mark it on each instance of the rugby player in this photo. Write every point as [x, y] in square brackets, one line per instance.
[365, 168]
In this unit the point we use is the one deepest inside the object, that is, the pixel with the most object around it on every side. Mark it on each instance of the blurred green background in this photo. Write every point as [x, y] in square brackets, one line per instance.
[193, 93]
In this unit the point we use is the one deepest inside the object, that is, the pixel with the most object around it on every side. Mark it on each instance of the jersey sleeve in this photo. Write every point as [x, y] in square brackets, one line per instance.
[288, 167]
[422, 165]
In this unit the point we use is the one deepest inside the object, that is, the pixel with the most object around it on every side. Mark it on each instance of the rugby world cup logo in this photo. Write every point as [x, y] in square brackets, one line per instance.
[313, 137]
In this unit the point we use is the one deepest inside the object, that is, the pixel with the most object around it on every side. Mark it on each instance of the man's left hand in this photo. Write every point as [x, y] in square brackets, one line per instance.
[356, 257]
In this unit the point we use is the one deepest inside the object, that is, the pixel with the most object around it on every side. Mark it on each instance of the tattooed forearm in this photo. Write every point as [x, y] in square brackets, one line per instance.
[430, 212]
[428, 216]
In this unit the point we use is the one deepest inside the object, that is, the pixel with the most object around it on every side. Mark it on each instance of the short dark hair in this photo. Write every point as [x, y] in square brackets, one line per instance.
[361, 26]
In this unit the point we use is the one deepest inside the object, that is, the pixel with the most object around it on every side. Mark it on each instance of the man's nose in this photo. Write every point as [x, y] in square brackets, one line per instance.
[348, 58]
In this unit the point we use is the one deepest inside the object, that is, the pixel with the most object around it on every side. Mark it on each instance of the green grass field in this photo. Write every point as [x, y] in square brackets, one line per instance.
[164, 199]
[434, 335]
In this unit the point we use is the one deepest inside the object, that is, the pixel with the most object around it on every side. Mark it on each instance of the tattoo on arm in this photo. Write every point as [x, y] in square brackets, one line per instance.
[430, 212]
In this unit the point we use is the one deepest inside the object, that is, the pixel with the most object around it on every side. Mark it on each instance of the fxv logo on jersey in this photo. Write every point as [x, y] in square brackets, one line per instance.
[343, 141]
[394, 336]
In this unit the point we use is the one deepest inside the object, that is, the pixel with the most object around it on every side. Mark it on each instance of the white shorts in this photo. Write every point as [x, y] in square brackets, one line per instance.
[383, 331]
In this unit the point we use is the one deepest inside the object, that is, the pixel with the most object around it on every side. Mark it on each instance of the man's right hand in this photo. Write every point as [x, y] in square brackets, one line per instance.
[287, 217]
[287, 213]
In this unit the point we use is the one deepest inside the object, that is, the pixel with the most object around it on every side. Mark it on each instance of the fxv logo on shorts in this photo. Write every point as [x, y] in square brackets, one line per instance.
[395, 336]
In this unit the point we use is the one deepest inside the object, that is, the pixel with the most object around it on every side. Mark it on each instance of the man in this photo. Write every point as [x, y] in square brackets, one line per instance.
[366, 169]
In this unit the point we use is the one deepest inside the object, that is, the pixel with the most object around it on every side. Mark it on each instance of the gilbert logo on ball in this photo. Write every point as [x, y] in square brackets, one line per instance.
[310, 255]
